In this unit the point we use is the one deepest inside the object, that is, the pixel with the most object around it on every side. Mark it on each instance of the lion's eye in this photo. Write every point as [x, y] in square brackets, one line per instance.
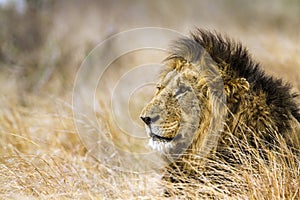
[181, 90]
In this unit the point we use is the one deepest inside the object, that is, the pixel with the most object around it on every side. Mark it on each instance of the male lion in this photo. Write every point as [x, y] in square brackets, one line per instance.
[209, 88]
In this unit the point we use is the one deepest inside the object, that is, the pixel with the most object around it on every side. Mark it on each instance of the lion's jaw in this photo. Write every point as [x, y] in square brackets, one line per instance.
[172, 117]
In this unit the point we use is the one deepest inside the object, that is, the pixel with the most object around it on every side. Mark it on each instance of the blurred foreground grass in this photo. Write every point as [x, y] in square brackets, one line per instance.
[42, 157]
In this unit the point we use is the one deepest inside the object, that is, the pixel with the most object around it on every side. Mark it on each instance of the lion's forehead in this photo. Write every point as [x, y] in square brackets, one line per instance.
[174, 78]
[170, 78]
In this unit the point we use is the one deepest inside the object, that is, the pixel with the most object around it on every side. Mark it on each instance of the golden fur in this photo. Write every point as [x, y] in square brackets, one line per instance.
[211, 87]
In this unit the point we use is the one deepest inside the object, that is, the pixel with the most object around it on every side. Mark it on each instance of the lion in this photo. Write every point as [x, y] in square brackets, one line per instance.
[210, 86]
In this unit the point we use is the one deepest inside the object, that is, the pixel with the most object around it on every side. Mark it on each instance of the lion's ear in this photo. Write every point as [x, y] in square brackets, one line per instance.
[235, 89]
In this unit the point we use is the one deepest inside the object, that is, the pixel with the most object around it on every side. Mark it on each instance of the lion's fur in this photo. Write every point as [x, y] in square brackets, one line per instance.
[256, 105]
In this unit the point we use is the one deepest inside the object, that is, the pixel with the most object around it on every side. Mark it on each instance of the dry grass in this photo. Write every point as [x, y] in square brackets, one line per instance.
[41, 154]
[42, 157]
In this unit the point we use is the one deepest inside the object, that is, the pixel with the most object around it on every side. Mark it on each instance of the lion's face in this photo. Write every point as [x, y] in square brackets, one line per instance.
[173, 115]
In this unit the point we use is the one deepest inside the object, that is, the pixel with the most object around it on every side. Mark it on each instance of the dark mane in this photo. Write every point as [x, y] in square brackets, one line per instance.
[226, 52]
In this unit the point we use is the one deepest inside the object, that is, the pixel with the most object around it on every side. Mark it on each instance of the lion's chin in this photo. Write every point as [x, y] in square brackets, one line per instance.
[162, 146]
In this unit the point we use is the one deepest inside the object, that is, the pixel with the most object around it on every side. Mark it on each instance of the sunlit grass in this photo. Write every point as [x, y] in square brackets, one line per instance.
[42, 156]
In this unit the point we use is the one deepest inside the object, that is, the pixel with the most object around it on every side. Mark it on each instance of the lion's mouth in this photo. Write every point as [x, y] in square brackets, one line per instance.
[160, 138]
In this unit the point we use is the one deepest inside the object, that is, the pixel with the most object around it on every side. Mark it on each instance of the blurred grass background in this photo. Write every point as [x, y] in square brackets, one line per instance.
[43, 43]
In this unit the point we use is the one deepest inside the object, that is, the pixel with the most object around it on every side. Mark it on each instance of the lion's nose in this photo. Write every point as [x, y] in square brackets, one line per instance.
[149, 120]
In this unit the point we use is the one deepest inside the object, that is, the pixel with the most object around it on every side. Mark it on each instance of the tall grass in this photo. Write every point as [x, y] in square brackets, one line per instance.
[42, 157]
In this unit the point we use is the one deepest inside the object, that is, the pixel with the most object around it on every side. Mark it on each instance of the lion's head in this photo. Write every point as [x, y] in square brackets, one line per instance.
[189, 94]
[173, 115]
[210, 84]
